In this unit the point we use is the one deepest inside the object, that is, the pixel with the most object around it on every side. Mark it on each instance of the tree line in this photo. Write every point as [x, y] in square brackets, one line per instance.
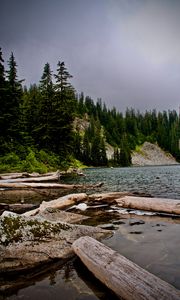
[36, 123]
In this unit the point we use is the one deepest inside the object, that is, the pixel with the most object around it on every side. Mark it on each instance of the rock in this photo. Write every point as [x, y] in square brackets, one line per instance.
[108, 226]
[139, 222]
[27, 243]
[56, 215]
[152, 154]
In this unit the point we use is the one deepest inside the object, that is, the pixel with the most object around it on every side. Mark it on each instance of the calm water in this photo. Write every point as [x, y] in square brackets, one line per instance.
[151, 242]
[158, 181]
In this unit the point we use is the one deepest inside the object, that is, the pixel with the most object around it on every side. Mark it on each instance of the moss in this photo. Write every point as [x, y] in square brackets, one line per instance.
[11, 230]
[139, 150]
[16, 229]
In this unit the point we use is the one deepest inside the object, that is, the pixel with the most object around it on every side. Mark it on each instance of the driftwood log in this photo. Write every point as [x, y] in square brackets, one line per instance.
[59, 203]
[108, 197]
[126, 279]
[26, 185]
[53, 177]
[7, 176]
[161, 205]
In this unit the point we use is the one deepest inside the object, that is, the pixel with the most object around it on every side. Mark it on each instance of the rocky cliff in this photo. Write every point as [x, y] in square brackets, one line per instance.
[151, 154]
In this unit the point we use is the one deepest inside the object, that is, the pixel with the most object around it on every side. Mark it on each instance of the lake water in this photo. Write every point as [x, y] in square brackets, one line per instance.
[152, 242]
[158, 181]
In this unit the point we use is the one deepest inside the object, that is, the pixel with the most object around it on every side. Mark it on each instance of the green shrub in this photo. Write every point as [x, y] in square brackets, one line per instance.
[10, 159]
[31, 164]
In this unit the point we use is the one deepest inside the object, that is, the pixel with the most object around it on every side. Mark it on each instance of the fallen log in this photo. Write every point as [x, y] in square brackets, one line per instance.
[54, 177]
[39, 185]
[161, 205]
[59, 203]
[126, 279]
[7, 176]
[108, 197]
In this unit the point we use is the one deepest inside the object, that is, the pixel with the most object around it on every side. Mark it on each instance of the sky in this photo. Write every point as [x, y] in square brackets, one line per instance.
[126, 52]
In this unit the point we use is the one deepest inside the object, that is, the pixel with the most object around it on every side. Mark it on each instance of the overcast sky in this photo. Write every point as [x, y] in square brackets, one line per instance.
[126, 52]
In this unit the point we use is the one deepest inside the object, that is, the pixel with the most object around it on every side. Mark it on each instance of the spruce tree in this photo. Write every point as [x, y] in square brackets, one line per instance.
[12, 112]
[63, 112]
[125, 153]
[62, 78]
[3, 99]
[46, 109]
[86, 150]
[2, 73]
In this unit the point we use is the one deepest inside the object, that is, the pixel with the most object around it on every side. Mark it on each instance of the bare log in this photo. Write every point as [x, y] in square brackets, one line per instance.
[161, 205]
[108, 197]
[6, 176]
[53, 177]
[26, 185]
[126, 279]
[59, 203]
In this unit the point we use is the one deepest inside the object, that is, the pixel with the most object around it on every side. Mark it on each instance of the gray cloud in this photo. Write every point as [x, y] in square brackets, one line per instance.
[126, 52]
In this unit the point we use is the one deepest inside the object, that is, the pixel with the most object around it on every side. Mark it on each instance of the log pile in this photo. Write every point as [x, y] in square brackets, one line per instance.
[47, 181]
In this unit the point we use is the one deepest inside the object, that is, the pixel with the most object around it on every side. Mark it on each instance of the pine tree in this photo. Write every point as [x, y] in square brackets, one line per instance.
[62, 78]
[103, 156]
[2, 73]
[86, 151]
[3, 99]
[77, 146]
[125, 153]
[12, 112]
[46, 107]
[63, 112]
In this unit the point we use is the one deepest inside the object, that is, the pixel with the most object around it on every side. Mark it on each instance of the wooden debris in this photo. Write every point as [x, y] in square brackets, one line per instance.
[126, 279]
[53, 177]
[161, 205]
[27, 185]
[6, 176]
[108, 197]
[59, 203]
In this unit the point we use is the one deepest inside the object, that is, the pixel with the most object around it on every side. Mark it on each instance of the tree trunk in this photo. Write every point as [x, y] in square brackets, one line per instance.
[161, 205]
[26, 185]
[53, 177]
[59, 203]
[126, 279]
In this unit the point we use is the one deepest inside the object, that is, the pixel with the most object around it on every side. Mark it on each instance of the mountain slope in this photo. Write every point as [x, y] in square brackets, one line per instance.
[150, 154]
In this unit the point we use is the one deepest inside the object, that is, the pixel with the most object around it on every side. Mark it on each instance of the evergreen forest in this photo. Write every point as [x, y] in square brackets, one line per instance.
[37, 131]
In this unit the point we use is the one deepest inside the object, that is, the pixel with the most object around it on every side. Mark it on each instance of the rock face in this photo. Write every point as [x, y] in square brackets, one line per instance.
[151, 154]
[27, 243]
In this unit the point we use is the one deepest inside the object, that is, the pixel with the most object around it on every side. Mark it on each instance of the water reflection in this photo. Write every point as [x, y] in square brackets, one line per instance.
[153, 246]
[71, 282]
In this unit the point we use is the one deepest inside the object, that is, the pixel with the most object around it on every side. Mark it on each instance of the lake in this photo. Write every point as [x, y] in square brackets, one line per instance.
[152, 242]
